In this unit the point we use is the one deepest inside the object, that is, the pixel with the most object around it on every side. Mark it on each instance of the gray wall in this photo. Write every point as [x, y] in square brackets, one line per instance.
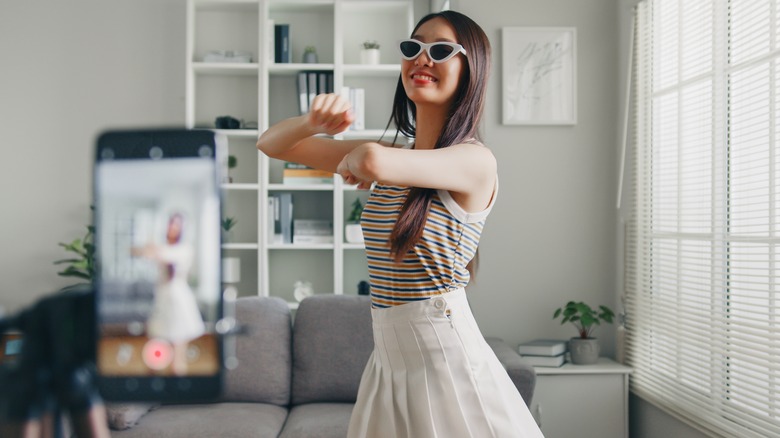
[551, 237]
[69, 70]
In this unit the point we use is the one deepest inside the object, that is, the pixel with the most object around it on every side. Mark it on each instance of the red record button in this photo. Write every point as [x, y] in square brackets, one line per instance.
[157, 354]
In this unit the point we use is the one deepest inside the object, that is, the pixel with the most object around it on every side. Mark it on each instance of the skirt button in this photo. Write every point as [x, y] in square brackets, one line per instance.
[438, 303]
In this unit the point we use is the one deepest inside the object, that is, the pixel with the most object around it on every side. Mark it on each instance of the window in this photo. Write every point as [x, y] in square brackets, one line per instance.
[703, 242]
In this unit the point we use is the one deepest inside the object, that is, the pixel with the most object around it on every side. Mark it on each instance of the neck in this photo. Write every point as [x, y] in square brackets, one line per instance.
[429, 124]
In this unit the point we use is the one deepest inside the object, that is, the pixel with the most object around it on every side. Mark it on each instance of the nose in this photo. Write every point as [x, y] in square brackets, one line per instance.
[424, 59]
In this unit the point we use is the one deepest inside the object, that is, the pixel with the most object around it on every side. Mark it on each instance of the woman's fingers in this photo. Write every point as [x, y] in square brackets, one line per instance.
[330, 113]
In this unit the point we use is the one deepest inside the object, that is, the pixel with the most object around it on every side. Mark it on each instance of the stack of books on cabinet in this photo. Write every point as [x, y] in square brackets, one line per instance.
[294, 173]
[543, 352]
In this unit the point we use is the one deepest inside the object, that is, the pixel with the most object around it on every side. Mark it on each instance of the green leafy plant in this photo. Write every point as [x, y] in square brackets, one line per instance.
[82, 264]
[232, 161]
[583, 317]
[309, 49]
[357, 210]
[370, 45]
[228, 223]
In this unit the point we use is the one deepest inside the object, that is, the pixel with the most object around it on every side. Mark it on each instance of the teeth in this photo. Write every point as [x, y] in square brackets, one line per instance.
[424, 77]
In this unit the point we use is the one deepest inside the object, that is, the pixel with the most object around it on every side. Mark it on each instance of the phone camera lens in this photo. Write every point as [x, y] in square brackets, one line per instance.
[204, 151]
[155, 153]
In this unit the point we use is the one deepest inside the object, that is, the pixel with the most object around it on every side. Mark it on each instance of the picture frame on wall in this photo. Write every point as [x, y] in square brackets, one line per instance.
[539, 83]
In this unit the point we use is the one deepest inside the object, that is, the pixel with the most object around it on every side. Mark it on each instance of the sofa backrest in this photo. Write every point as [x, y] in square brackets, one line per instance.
[332, 340]
[264, 356]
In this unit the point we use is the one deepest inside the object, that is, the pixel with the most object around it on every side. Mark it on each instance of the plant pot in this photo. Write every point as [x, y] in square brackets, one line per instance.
[310, 58]
[353, 233]
[584, 351]
[369, 56]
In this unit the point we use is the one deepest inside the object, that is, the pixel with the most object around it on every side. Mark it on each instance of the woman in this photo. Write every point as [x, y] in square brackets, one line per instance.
[175, 316]
[431, 373]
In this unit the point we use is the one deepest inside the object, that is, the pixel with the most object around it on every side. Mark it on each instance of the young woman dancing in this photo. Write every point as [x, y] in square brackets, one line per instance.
[431, 373]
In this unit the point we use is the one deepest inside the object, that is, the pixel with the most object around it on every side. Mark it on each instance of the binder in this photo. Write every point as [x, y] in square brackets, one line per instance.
[286, 216]
[312, 86]
[303, 94]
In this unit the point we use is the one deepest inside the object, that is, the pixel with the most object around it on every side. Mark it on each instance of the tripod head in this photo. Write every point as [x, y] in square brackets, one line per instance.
[55, 368]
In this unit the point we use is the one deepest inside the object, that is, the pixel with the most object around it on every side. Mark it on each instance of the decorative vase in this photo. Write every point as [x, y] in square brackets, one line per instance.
[310, 58]
[231, 270]
[369, 56]
[353, 233]
[584, 351]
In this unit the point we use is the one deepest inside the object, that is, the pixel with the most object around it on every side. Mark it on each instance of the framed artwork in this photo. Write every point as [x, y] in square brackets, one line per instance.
[539, 75]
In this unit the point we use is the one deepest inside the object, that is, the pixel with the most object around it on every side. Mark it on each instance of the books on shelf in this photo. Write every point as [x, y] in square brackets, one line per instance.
[545, 361]
[543, 352]
[310, 84]
[357, 99]
[542, 347]
[282, 48]
[280, 214]
[294, 173]
[312, 231]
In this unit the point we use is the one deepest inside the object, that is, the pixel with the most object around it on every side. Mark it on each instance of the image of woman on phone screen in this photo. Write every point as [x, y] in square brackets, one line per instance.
[431, 373]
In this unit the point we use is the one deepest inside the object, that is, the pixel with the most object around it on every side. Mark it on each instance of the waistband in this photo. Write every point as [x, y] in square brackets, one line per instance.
[439, 304]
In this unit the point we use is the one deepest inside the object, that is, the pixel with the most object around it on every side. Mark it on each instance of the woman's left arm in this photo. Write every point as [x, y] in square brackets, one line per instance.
[468, 170]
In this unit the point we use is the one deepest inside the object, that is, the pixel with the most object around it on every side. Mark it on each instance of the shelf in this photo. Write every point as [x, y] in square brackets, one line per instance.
[372, 70]
[298, 246]
[226, 68]
[289, 69]
[240, 186]
[248, 133]
[226, 5]
[301, 5]
[354, 246]
[300, 187]
[247, 246]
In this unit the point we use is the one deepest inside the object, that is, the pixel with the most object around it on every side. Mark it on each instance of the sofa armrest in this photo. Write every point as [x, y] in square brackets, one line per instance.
[521, 373]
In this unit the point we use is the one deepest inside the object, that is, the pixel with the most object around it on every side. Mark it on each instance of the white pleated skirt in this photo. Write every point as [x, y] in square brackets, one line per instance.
[432, 374]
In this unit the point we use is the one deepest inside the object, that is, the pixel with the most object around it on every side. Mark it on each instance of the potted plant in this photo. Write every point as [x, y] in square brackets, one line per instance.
[352, 231]
[370, 53]
[232, 163]
[310, 55]
[584, 349]
[227, 224]
[82, 264]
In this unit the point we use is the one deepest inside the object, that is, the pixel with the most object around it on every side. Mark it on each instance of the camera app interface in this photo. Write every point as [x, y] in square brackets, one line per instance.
[158, 252]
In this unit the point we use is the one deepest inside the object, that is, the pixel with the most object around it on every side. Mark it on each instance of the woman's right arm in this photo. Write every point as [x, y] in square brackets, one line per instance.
[296, 139]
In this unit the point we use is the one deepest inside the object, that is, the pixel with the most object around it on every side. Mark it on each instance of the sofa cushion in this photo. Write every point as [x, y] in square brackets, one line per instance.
[224, 420]
[520, 371]
[318, 420]
[332, 340]
[264, 356]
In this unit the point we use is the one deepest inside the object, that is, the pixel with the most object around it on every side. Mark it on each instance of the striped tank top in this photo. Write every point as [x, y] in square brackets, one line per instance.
[436, 264]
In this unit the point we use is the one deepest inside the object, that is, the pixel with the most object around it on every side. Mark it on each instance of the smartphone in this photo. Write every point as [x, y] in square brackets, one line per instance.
[157, 211]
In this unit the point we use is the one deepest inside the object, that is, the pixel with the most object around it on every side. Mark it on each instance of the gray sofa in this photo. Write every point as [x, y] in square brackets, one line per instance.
[293, 381]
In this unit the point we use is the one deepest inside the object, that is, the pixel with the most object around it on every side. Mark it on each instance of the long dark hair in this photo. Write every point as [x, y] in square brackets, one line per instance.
[462, 124]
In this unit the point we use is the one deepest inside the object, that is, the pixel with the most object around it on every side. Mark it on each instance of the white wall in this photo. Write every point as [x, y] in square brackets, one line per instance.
[551, 237]
[69, 70]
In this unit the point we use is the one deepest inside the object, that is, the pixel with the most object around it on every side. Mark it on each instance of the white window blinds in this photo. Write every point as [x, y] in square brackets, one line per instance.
[703, 246]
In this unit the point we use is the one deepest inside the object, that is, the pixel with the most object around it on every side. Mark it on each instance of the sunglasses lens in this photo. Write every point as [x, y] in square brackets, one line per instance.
[441, 51]
[410, 48]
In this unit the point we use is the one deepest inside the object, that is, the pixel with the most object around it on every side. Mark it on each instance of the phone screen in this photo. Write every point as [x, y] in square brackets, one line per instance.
[157, 235]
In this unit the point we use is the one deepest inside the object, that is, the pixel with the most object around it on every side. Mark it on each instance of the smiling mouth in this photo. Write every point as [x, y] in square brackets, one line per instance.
[422, 77]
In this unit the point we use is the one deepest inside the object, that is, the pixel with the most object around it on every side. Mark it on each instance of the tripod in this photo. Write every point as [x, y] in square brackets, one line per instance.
[55, 371]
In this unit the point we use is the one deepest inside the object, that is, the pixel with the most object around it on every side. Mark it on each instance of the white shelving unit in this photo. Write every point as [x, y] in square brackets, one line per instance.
[265, 92]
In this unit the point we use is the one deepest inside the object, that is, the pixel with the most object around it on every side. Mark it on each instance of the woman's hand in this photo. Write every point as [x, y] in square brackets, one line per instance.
[349, 169]
[330, 114]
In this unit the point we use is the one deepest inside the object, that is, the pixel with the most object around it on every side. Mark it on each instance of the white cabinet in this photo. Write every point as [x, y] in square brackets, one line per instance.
[584, 401]
[261, 93]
